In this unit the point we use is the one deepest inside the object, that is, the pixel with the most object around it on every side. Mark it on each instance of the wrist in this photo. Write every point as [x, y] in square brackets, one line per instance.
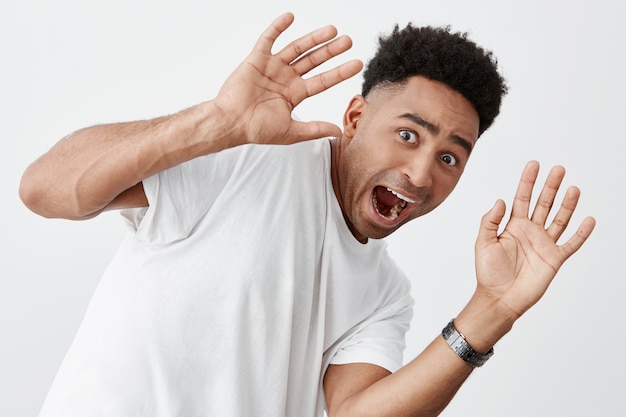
[464, 350]
[219, 129]
[483, 322]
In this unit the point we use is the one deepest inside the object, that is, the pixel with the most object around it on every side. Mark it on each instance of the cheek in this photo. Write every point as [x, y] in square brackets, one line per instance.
[358, 180]
[358, 166]
[445, 186]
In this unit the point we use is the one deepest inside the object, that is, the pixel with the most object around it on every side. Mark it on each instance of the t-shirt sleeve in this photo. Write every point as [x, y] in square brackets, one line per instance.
[380, 339]
[180, 196]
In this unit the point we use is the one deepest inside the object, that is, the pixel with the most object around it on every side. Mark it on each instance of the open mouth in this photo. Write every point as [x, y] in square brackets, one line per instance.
[389, 203]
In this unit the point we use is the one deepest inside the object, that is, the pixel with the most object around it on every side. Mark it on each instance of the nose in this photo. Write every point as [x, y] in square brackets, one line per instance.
[419, 169]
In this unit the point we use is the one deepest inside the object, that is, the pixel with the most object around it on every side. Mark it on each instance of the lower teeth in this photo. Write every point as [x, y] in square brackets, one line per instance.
[394, 212]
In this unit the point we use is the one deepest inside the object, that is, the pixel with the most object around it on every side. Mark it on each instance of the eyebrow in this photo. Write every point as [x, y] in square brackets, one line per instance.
[464, 143]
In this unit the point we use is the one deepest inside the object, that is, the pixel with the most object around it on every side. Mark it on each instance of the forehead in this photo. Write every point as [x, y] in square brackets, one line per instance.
[432, 101]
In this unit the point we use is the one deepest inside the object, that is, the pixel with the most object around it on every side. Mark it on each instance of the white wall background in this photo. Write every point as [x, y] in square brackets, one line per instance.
[69, 63]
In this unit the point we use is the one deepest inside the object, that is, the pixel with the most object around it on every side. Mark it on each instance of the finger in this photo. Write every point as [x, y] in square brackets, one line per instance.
[580, 237]
[489, 224]
[304, 44]
[318, 56]
[325, 80]
[521, 203]
[273, 31]
[548, 193]
[563, 216]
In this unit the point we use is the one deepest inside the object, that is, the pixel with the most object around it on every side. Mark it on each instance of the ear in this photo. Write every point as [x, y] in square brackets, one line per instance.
[353, 115]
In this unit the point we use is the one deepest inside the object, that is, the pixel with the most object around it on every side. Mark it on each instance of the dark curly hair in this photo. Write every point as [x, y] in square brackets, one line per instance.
[440, 55]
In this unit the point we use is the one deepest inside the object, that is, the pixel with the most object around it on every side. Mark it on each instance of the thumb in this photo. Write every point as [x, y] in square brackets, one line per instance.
[301, 131]
[489, 224]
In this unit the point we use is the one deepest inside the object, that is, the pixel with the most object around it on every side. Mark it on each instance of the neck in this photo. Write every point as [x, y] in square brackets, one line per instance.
[335, 158]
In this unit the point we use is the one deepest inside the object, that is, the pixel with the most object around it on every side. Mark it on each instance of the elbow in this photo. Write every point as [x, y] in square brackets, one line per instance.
[33, 195]
[40, 197]
[30, 194]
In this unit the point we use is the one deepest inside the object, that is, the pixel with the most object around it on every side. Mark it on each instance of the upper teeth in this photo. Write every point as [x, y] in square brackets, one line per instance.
[400, 196]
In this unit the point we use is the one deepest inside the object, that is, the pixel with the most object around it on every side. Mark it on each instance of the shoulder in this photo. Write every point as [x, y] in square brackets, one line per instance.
[310, 150]
[304, 162]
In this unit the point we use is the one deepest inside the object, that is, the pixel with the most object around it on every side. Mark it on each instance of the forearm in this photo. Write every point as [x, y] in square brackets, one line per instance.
[83, 173]
[426, 385]
[423, 387]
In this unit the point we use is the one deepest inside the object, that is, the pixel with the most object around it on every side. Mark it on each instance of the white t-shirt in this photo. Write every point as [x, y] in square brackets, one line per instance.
[236, 289]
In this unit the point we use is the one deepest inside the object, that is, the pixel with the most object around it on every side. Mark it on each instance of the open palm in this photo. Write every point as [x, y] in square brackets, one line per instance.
[516, 266]
[261, 93]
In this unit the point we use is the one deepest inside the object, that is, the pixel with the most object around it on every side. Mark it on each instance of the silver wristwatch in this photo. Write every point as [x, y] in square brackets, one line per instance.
[458, 344]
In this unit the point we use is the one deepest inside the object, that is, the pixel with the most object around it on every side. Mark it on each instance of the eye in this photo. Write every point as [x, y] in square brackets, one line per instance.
[408, 136]
[449, 159]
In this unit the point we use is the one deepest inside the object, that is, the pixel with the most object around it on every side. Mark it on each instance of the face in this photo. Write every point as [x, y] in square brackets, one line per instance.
[402, 153]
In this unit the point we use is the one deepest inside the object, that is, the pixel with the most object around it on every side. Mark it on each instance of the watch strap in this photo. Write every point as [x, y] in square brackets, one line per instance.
[457, 342]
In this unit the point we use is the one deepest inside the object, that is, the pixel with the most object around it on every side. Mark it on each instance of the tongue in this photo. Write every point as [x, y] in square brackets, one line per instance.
[385, 198]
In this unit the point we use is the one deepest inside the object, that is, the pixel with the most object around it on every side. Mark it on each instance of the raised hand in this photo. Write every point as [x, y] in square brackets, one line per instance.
[259, 96]
[516, 267]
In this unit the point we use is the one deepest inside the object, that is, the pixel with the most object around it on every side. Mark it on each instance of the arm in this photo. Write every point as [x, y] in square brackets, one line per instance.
[101, 167]
[514, 269]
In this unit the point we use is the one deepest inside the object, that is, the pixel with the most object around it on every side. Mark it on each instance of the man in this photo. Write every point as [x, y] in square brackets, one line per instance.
[255, 281]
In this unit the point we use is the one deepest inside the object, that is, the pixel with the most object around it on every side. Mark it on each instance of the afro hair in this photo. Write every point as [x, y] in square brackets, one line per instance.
[440, 55]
